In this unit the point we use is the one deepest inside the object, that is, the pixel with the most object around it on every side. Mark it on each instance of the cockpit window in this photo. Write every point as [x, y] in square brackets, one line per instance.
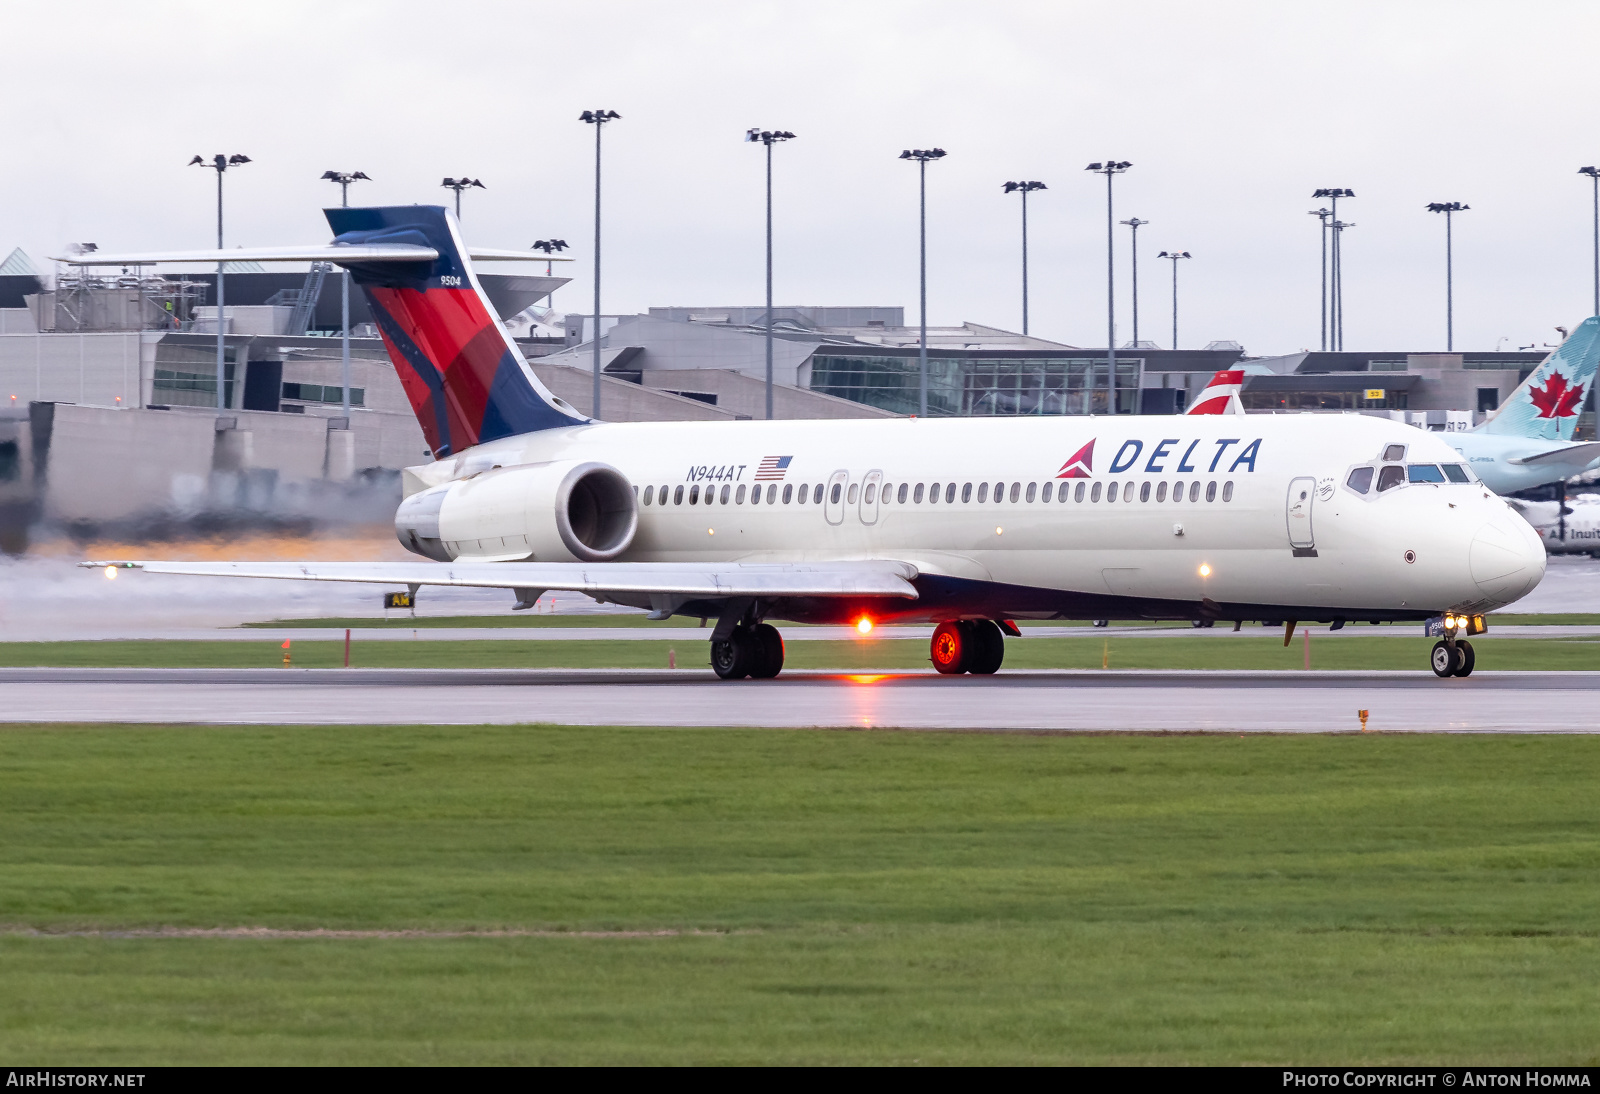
[1360, 480]
[1394, 452]
[1425, 472]
[1456, 473]
[1391, 476]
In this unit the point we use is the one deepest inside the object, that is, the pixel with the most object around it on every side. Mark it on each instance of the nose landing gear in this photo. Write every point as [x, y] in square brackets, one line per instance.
[975, 646]
[1452, 658]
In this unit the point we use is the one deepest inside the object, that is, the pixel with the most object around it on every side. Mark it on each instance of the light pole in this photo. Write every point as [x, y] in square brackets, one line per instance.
[769, 137]
[1323, 215]
[598, 119]
[1594, 176]
[1110, 169]
[220, 164]
[1175, 256]
[458, 185]
[1449, 209]
[344, 179]
[1135, 224]
[1336, 262]
[1024, 188]
[922, 156]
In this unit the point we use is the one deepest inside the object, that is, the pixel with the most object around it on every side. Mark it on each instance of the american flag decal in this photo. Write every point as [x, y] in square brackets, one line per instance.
[773, 468]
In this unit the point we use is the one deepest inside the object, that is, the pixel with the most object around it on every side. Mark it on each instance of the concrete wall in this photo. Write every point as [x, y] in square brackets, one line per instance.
[109, 465]
[678, 346]
[102, 369]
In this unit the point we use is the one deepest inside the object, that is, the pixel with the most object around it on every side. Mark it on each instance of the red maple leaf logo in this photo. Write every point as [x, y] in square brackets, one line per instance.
[1555, 399]
[1079, 464]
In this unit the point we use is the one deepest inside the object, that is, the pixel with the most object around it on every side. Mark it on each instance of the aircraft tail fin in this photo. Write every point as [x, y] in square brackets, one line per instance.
[466, 379]
[1546, 405]
[1221, 395]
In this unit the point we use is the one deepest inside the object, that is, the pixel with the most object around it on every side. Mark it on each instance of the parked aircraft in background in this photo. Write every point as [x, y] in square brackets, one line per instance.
[1572, 528]
[1527, 442]
[966, 523]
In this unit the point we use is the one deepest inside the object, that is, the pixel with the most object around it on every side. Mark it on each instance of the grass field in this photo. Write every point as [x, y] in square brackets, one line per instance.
[882, 897]
[1243, 651]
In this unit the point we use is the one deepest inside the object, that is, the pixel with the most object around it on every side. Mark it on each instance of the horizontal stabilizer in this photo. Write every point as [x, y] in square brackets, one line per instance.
[867, 577]
[339, 253]
[1578, 455]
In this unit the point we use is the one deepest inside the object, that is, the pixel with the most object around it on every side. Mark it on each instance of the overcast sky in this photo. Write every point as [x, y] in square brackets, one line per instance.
[1232, 113]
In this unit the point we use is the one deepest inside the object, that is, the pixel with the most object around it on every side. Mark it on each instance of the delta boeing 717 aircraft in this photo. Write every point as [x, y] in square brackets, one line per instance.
[968, 524]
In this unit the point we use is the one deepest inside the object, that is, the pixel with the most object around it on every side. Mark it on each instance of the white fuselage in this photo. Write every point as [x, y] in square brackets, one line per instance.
[1241, 533]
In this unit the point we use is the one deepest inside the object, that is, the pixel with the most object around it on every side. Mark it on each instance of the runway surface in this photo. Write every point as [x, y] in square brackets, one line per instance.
[1126, 701]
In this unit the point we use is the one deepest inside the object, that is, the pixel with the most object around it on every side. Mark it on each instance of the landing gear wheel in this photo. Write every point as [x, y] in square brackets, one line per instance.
[769, 646]
[1468, 658]
[1446, 660]
[988, 647]
[1102, 622]
[735, 658]
[951, 648]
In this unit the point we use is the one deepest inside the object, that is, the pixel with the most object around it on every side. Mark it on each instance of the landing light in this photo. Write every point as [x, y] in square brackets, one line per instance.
[1205, 569]
[999, 531]
[864, 625]
[111, 573]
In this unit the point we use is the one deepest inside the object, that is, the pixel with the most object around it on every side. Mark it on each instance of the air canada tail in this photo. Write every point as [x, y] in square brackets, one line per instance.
[467, 381]
[1546, 405]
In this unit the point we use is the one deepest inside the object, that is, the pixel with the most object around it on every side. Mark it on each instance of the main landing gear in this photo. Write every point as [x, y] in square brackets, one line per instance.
[755, 651]
[1452, 658]
[968, 646]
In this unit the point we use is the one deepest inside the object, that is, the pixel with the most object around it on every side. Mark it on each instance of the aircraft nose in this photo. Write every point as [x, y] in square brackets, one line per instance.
[1507, 558]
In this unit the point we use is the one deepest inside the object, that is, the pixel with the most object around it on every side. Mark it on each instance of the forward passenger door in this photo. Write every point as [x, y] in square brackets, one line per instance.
[1302, 494]
[869, 496]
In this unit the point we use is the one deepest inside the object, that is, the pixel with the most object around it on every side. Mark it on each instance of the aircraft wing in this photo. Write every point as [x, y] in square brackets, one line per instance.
[865, 577]
[1578, 455]
[342, 253]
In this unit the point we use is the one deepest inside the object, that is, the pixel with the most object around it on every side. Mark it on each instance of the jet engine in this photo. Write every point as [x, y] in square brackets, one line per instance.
[568, 511]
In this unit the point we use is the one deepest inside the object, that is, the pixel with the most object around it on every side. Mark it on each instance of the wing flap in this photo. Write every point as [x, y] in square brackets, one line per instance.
[865, 577]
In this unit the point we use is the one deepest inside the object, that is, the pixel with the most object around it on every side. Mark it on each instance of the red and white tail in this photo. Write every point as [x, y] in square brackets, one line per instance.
[1221, 395]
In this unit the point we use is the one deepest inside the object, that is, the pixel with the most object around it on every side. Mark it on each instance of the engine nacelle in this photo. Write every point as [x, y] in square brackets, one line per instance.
[568, 511]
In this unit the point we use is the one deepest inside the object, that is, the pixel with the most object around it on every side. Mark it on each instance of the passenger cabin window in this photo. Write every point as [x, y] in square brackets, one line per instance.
[1144, 492]
[983, 493]
[1111, 492]
[774, 487]
[1016, 487]
[1394, 452]
[1456, 473]
[966, 492]
[900, 498]
[1194, 490]
[738, 497]
[916, 495]
[872, 490]
[833, 496]
[1391, 476]
[1424, 472]
[726, 490]
[1227, 491]
[816, 494]
[1077, 495]
[1211, 491]
[1360, 480]
[1044, 491]
[677, 496]
[1094, 495]
[1161, 491]
[805, 492]
[649, 490]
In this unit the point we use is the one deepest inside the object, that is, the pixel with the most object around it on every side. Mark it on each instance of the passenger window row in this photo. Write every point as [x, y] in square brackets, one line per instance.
[891, 494]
